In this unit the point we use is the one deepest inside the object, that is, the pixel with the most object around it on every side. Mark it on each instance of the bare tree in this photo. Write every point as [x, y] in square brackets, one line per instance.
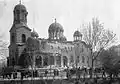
[97, 38]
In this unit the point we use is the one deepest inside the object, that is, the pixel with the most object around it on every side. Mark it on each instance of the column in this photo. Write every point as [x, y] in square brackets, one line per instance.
[53, 35]
[42, 61]
[59, 34]
[61, 61]
[55, 60]
[34, 57]
[68, 61]
[50, 36]
[56, 35]
[49, 60]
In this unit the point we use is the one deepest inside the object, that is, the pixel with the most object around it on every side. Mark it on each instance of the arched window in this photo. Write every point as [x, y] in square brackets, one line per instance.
[13, 37]
[23, 38]
[45, 61]
[51, 59]
[65, 61]
[82, 49]
[13, 61]
[43, 45]
[58, 47]
[51, 47]
[58, 60]
[71, 59]
[83, 59]
[65, 48]
[78, 59]
[39, 61]
[88, 60]
[71, 48]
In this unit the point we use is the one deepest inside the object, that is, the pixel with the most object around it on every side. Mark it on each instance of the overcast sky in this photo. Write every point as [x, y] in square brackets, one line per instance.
[71, 14]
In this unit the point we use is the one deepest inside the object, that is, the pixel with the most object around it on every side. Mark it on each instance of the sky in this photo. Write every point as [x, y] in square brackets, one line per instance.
[71, 14]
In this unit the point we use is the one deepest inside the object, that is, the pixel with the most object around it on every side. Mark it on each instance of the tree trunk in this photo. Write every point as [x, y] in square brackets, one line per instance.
[118, 80]
[110, 82]
[91, 72]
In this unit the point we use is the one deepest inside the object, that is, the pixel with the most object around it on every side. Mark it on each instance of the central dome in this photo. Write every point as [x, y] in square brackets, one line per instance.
[55, 27]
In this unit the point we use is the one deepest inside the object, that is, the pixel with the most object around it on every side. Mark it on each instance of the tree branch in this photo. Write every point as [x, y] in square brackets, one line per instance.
[103, 48]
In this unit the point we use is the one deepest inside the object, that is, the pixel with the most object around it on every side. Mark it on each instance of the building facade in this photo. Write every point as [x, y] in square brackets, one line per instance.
[55, 50]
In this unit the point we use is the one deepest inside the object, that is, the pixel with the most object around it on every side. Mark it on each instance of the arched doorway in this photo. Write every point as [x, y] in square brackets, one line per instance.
[38, 61]
[58, 60]
[45, 61]
[13, 61]
[51, 60]
[65, 61]
[71, 59]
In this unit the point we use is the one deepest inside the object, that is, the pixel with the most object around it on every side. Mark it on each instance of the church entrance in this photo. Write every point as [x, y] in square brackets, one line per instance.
[39, 61]
[58, 60]
[51, 60]
[65, 61]
[45, 61]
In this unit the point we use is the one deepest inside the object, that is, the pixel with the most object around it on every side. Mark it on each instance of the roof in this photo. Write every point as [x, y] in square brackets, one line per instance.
[55, 27]
[20, 7]
[63, 38]
[34, 34]
[19, 26]
[77, 33]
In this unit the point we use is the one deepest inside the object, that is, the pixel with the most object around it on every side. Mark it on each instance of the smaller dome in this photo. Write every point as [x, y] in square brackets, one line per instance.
[63, 38]
[20, 7]
[77, 33]
[34, 34]
[32, 43]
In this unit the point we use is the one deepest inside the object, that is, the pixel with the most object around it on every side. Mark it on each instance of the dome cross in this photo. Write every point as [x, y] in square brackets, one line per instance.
[20, 1]
[55, 20]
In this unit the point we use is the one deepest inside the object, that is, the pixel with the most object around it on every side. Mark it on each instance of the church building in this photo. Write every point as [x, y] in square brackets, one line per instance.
[26, 45]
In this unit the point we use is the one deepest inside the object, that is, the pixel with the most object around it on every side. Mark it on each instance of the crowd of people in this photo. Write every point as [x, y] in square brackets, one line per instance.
[80, 73]
[27, 73]
[84, 72]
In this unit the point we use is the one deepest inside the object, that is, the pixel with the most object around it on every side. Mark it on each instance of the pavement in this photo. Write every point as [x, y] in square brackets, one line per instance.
[35, 78]
[62, 82]
[56, 81]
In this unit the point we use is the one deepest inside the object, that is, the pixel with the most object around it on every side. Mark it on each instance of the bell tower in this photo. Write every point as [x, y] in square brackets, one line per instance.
[19, 33]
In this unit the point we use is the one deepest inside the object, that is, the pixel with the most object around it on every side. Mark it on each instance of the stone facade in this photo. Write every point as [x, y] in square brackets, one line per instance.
[55, 50]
